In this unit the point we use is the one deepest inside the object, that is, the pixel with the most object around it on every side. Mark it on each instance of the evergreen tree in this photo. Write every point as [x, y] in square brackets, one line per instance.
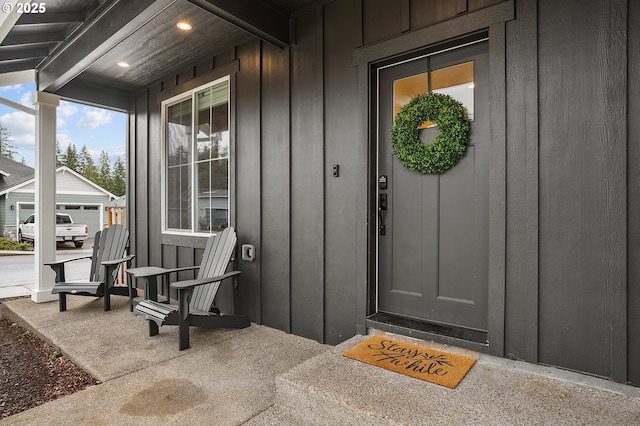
[60, 157]
[6, 149]
[119, 179]
[90, 170]
[82, 160]
[104, 171]
[71, 157]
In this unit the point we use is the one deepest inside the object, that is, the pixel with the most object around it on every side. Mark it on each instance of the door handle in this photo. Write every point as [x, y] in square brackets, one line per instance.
[382, 206]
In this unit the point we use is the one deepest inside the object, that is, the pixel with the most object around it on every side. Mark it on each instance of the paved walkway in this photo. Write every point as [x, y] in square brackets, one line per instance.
[16, 291]
[260, 376]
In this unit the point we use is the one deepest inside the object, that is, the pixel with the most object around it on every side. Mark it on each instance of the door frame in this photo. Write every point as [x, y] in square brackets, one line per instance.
[492, 21]
[468, 48]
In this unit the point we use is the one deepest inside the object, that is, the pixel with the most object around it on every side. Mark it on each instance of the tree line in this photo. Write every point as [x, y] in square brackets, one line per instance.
[112, 177]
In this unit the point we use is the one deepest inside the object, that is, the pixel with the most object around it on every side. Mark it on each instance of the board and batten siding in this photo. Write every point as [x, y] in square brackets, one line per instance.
[569, 163]
[583, 185]
[633, 187]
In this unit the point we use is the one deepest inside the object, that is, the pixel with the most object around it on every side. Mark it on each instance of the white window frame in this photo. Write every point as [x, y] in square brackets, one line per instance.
[194, 197]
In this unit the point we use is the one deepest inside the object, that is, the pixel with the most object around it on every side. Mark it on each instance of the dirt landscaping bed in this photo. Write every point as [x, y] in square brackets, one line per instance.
[33, 372]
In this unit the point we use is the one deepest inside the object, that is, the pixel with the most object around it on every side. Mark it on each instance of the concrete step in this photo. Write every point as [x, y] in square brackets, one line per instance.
[330, 389]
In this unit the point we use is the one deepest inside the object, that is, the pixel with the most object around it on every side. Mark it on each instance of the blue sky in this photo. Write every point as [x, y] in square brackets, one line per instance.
[98, 129]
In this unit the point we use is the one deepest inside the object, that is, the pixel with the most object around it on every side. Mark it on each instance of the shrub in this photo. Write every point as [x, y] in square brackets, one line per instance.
[7, 244]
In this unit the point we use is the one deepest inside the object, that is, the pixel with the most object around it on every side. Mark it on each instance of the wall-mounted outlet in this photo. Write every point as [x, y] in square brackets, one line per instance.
[248, 253]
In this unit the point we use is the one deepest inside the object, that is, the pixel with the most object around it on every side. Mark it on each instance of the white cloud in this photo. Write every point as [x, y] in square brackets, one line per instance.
[27, 99]
[94, 117]
[64, 140]
[66, 109]
[11, 87]
[21, 128]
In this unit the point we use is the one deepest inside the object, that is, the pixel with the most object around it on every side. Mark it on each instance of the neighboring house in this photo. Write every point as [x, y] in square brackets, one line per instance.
[528, 249]
[82, 199]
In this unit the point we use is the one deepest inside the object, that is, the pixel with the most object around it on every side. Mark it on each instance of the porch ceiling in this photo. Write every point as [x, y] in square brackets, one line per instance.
[76, 44]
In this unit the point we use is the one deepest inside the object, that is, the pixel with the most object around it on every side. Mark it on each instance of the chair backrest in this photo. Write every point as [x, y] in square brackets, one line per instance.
[109, 244]
[215, 259]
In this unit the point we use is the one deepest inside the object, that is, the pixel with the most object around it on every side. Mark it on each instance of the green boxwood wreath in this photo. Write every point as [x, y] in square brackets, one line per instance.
[450, 144]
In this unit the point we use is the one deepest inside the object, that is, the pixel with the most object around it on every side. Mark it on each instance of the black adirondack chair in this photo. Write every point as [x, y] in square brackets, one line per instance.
[195, 297]
[109, 249]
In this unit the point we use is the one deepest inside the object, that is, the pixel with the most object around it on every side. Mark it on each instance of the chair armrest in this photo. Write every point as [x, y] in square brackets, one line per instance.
[185, 268]
[195, 283]
[62, 262]
[151, 271]
[58, 267]
[119, 261]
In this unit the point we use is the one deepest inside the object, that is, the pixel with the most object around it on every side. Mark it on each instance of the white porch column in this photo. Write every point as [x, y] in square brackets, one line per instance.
[45, 197]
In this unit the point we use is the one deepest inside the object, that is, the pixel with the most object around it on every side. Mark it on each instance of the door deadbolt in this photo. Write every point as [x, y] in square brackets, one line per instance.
[382, 182]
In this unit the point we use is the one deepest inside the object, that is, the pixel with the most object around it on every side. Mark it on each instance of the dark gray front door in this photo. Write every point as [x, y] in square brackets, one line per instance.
[433, 248]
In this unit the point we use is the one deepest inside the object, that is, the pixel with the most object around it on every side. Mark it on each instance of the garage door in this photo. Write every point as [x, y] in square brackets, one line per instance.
[88, 214]
[24, 211]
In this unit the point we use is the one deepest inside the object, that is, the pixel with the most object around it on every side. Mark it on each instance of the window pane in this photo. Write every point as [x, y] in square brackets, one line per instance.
[457, 82]
[213, 195]
[213, 122]
[185, 197]
[173, 198]
[202, 156]
[179, 133]
[179, 198]
[407, 88]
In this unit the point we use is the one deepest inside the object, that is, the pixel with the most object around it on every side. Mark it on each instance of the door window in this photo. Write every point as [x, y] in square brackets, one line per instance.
[456, 81]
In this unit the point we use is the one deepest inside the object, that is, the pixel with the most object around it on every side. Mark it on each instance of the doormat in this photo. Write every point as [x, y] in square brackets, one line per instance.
[442, 368]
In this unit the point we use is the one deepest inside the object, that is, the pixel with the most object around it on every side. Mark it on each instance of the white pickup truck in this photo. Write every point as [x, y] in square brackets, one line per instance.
[66, 230]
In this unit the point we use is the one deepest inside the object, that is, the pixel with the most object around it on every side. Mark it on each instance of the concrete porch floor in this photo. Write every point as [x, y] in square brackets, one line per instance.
[261, 376]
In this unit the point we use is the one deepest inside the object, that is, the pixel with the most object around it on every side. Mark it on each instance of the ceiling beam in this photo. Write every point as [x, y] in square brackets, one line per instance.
[7, 20]
[13, 54]
[33, 38]
[98, 95]
[116, 21]
[260, 18]
[14, 66]
[18, 77]
[50, 18]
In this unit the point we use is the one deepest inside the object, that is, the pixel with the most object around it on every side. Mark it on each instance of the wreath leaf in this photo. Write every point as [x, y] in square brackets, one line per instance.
[450, 144]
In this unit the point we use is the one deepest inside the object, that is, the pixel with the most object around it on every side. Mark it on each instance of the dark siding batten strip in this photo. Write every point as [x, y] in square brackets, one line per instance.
[405, 18]
[340, 94]
[307, 169]
[247, 179]
[530, 10]
[497, 190]
[132, 122]
[521, 305]
[615, 62]
[633, 187]
[358, 22]
[142, 179]
[154, 174]
[276, 189]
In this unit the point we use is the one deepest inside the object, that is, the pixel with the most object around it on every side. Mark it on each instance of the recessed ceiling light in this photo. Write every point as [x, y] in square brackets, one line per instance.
[184, 26]
[123, 64]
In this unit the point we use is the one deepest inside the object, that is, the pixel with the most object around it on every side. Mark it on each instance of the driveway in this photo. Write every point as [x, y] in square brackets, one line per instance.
[19, 269]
